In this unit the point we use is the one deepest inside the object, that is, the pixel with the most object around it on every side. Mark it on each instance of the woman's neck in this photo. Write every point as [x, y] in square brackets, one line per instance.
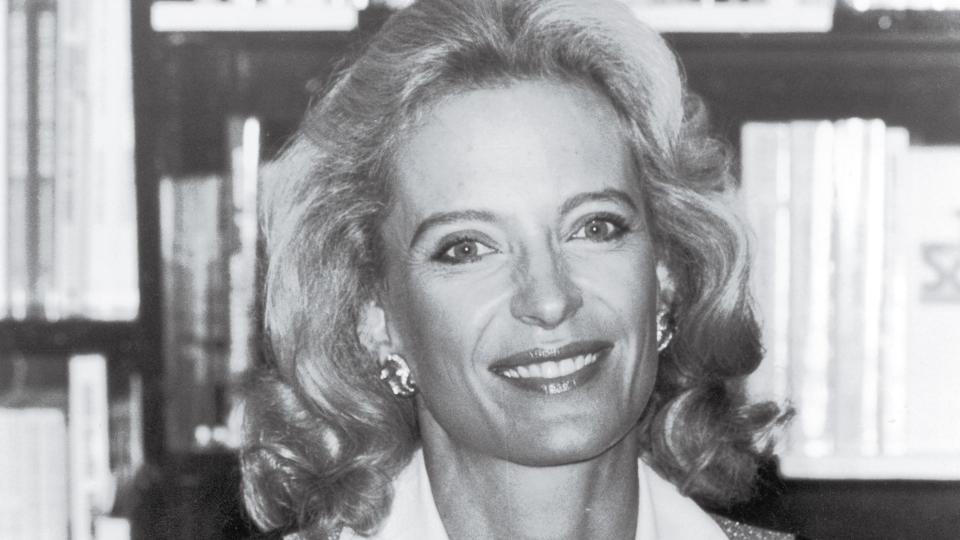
[481, 497]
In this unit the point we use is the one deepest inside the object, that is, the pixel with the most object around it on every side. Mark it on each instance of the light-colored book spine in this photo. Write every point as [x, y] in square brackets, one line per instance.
[72, 154]
[91, 491]
[765, 190]
[244, 141]
[931, 225]
[4, 217]
[33, 468]
[811, 211]
[894, 354]
[874, 248]
[44, 290]
[112, 290]
[18, 150]
[848, 260]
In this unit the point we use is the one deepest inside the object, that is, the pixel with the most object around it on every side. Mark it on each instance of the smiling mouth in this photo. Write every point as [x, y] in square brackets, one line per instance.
[551, 369]
[554, 371]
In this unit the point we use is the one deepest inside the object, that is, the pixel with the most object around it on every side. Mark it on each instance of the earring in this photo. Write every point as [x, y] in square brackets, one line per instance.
[664, 330]
[395, 372]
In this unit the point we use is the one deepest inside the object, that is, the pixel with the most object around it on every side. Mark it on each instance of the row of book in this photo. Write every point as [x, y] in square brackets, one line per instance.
[857, 275]
[68, 230]
[209, 251]
[66, 442]
[341, 15]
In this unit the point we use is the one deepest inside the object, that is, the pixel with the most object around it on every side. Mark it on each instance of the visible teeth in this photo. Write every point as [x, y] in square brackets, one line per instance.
[580, 361]
[551, 369]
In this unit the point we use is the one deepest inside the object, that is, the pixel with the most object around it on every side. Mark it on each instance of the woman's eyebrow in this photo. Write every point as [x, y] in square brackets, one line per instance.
[441, 218]
[607, 195]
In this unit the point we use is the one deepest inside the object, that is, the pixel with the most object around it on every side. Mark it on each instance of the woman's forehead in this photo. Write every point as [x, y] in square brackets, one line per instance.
[529, 139]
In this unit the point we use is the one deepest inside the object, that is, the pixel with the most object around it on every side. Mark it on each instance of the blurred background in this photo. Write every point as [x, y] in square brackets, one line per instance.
[131, 134]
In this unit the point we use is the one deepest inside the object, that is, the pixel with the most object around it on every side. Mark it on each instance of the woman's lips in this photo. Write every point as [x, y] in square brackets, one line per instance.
[553, 371]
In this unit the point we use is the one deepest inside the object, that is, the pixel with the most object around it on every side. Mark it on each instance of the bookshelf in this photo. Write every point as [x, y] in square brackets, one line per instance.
[737, 18]
[69, 270]
[196, 65]
[173, 16]
[79, 336]
[904, 78]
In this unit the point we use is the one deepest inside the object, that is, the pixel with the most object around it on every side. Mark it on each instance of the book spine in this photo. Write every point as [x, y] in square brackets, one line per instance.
[931, 225]
[4, 217]
[92, 206]
[33, 465]
[848, 301]
[765, 189]
[45, 289]
[70, 152]
[243, 136]
[18, 157]
[126, 429]
[112, 288]
[894, 359]
[90, 479]
[195, 305]
[874, 246]
[811, 207]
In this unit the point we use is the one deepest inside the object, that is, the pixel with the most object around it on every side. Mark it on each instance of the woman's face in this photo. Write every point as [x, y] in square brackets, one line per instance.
[520, 275]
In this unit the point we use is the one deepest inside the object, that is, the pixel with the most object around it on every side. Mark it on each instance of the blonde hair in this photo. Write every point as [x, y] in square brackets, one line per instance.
[324, 437]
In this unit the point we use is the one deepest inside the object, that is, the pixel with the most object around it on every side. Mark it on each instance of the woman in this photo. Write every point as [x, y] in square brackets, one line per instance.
[505, 292]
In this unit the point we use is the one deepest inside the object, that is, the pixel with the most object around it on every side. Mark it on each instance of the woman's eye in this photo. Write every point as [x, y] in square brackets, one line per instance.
[462, 251]
[600, 230]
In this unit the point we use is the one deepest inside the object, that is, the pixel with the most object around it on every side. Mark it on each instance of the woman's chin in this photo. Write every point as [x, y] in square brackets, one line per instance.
[566, 446]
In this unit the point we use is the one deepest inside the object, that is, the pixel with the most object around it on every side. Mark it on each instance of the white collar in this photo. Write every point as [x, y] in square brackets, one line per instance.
[664, 514]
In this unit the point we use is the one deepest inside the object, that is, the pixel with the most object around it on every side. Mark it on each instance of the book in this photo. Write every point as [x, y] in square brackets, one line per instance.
[68, 234]
[18, 151]
[91, 483]
[33, 465]
[929, 220]
[809, 320]
[4, 80]
[73, 159]
[69, 437]
[43, 290]
[34, 488]
[833, 281]
[765, 192]
[111, 290]
[243, 140]
[894, 353]
[195, 306]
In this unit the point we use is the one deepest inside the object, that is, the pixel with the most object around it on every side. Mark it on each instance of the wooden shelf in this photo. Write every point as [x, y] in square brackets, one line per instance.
[906, 79]
[934, 467]
[70, 336]
[737, 18]
[174, 16]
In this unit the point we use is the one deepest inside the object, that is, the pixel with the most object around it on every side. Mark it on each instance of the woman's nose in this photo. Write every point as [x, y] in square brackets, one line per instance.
[545, 295]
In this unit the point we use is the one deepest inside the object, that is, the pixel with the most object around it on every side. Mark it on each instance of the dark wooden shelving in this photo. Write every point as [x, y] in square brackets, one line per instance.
[71, 336]
[907, 79]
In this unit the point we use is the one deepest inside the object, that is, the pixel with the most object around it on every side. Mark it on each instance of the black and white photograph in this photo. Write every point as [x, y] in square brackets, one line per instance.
[479, 269]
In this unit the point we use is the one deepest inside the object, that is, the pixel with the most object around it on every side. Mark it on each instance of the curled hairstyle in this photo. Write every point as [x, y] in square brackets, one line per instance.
[324, 438]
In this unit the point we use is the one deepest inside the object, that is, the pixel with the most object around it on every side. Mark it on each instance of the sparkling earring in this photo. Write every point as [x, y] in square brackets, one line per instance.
[395, 372]
[664, 330]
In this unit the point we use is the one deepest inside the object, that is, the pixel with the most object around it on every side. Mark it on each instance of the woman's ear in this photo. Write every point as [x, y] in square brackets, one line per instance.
[667, 293]
[372, 329]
